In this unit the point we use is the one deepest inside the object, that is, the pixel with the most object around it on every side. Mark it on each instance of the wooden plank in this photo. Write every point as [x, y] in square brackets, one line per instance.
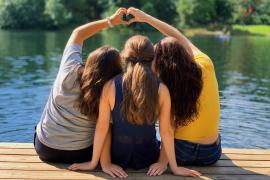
[242, 163]
[19, 158]
[225, 150]
[63, 167]
[251, 157]
[8, 174]
[220, 163]
[17, 174]
[16, 145]
[262, 157]
[245, 151]
[18, 151]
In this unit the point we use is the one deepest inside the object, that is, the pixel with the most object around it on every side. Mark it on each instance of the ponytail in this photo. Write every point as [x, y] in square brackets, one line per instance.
[140, 85]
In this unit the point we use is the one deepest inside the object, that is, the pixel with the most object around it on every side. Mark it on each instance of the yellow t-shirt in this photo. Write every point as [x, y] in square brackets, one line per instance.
[207, 122]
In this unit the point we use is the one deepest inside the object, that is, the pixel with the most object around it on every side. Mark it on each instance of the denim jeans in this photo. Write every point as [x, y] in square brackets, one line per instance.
[188, 153]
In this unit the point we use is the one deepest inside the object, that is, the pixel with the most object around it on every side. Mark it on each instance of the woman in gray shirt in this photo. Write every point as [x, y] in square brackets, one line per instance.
[66, 128]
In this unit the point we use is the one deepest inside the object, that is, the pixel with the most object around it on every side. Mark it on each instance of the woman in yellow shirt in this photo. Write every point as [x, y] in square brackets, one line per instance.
[190, 77]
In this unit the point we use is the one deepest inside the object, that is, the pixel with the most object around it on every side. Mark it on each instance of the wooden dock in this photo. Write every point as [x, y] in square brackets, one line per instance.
[20, 161]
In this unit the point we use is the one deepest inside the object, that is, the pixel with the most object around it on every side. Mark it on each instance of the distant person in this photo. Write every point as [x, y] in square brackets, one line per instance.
[134, 101]
[190, 77]
[66, 129]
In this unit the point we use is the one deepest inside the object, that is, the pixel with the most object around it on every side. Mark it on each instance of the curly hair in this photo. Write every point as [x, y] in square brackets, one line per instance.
[102, 65]
[183, 77]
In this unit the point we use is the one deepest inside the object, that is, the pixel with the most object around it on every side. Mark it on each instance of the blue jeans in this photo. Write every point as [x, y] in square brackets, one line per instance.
[188, 153]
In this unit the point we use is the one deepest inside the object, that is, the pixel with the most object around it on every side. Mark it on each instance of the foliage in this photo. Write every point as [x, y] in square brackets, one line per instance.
[196, 12]
[56, 14]
[253, 12]
[21, 14]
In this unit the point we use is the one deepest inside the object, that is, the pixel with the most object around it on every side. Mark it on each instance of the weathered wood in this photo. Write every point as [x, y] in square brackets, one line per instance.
[15, 174]
[237, 156]
[209, 170]
[220, 163]
[204, 170]
[20, 161]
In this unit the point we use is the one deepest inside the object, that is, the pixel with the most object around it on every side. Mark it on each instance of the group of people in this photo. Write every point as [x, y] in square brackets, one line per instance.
[102, 112]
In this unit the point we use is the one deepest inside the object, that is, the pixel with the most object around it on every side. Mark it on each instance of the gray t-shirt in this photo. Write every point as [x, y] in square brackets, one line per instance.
[62, 126]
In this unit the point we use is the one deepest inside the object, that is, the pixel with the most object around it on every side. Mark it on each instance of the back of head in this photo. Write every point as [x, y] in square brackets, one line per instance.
[183, 77]
[102, 65]
[140, 87]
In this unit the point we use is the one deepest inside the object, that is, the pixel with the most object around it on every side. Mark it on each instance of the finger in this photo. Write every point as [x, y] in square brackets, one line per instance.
[72, 166]
[119, 173]
[196, 173]
[124, 22]
[157, 171]
[130, 10]
[121, 11]
[152, 170]
[132, 20]
[122, 172]
[115, 172]
[111, 174]
[161, 172]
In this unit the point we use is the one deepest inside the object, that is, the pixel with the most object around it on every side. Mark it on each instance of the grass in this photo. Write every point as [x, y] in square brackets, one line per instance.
[200, 31]
[251, 29]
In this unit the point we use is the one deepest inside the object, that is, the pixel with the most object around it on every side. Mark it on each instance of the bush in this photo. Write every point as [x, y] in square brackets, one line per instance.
[21, 14]
[56, 14]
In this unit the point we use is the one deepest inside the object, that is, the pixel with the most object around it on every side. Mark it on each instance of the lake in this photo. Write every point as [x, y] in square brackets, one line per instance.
[29, 61]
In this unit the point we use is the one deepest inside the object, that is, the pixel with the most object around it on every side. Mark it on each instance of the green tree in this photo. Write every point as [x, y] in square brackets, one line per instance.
[56, 14]
[224, 11]
[196, 12]
[21, 14]
[85, 10]
[253, 12]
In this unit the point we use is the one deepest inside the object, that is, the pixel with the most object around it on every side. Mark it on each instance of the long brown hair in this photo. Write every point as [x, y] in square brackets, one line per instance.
[101, 65]
[183, 77]
[140, 87]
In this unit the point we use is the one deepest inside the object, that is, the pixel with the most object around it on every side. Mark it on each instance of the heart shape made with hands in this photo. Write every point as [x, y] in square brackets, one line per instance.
[127, 17]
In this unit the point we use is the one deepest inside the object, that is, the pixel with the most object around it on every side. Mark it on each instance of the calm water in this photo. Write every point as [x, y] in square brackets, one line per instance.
[29, 62]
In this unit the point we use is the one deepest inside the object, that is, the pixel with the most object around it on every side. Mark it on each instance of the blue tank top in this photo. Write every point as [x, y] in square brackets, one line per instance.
[133, 146]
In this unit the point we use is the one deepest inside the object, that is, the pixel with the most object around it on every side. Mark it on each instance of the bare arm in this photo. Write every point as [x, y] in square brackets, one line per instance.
[167, 133]
[102, 128]
[164, 28]
[105, 159]
[81, 33]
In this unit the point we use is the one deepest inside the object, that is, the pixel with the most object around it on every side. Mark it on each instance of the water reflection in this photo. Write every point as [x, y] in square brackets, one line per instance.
[29, 62]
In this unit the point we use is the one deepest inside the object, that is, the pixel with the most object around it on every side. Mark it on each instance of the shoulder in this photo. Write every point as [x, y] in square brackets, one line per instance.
[108, 87]
[204, 60]
[164, 94]
[108, 93]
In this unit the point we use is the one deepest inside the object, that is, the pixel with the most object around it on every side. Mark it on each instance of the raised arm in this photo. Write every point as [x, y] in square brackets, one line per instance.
[167, 133]
[102, 128]
[85, 31]
[164, 28]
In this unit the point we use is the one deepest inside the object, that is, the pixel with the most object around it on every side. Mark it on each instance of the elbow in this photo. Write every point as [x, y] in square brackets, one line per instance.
[76, 31]
[165, 134]
[102, 127]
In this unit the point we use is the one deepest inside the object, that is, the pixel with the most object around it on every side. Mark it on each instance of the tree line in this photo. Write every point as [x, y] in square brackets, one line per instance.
[55, 14]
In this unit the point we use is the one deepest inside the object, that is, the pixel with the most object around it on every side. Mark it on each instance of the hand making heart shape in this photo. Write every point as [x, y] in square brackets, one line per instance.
[128, 16]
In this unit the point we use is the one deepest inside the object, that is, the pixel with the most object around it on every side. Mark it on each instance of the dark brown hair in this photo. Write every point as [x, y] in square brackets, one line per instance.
[183, 77]
[102, 65]
[140, 85]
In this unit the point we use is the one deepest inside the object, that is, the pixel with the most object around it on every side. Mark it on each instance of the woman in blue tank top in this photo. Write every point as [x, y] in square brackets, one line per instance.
[134, 101]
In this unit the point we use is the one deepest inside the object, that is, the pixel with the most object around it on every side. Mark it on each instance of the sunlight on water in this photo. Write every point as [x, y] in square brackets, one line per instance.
[29, 62]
